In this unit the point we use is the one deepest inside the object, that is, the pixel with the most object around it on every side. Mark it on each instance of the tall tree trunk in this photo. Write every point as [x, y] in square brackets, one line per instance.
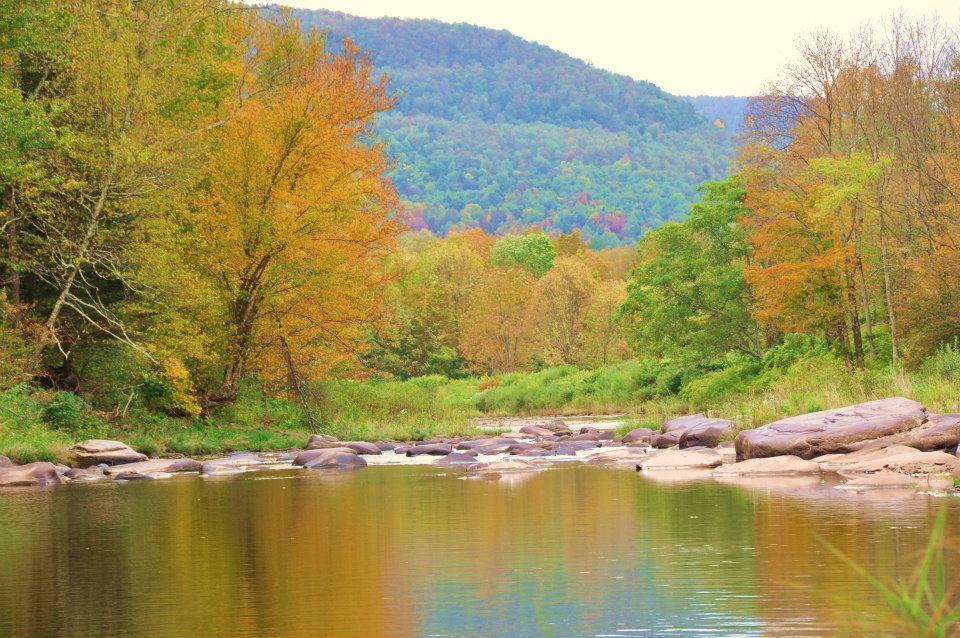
[891, 316]
[854, 321]
[871, 342]
[293, 378]
[842, 331]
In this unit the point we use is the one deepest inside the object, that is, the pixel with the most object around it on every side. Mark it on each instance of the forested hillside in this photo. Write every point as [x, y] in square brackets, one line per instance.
[496, 132]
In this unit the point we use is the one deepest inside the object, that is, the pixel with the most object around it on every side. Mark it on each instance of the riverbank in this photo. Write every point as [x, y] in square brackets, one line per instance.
[893, 443]
[38, 424]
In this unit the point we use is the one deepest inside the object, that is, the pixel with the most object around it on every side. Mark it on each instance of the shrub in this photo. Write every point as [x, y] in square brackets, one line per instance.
[68, 412]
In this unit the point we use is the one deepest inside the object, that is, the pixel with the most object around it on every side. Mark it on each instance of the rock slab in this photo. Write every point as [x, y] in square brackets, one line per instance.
[830, 431]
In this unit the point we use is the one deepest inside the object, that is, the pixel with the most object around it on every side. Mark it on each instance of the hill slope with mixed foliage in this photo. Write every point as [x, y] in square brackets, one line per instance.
[496, 132]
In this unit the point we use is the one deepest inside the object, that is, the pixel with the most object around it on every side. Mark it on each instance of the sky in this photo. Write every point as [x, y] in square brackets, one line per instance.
[686, 47]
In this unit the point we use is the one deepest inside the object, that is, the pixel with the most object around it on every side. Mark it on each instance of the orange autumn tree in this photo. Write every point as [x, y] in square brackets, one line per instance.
[806, 142]
[850, 166]
[295, 210]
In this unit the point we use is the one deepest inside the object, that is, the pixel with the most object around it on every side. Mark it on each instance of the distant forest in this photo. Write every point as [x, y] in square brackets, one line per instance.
[496, 132]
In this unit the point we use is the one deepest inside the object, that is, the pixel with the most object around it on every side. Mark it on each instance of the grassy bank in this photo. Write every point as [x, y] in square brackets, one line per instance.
[40, 425]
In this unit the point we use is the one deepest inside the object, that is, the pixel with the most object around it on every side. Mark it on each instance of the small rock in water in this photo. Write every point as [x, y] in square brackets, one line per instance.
[770, 466]
[362, 447]
[305, 457]
[628, 456]
[457, 458]
[881, 480]
[336, 460]
[681, 460]
[320, 441]
[154, 466]
[506, 466]
[433, 449]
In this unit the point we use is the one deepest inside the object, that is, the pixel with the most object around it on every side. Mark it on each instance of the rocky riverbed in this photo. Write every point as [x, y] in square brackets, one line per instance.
[891, 443]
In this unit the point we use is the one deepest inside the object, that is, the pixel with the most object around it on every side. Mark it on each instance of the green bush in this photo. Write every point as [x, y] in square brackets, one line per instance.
[68, 412]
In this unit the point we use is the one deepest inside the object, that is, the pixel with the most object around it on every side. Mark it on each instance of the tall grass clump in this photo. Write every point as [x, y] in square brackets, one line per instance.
[923, 606]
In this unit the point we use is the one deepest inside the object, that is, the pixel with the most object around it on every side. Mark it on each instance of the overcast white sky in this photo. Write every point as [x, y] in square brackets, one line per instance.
[687, 47]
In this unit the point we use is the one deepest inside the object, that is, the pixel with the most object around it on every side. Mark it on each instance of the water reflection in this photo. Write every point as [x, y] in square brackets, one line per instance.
[415, 551]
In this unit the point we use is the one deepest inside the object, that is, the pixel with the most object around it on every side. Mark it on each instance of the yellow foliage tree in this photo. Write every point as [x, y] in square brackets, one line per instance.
[295, 208]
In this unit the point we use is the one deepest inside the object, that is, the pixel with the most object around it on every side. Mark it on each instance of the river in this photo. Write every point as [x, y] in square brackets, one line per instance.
[573, 550]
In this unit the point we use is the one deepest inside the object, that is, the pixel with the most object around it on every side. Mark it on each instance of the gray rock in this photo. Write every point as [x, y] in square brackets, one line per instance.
[702, 458]
[769, 466]
[212, 468]
[940, 432]
[829, 431]
[672, 430]
[361, 447]
[305, 457]
[335, 460]
[322, 441]
[638, 436]
[537, 431]
[154, 466]
[457, 458]
[39, 474]
[94, 473]
[433, 449]
[5, 462]
[97, 451]
[569, 448]
[708, 433]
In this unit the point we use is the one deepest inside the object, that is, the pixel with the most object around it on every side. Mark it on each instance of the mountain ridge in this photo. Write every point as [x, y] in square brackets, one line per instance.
[499, 132]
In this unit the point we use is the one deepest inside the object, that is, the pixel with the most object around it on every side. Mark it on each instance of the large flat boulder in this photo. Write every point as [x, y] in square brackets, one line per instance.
[708, 433]
[39, 474]
[940, 432]
[770, 466]
[701, 458]
[97, 451]
[829, 431]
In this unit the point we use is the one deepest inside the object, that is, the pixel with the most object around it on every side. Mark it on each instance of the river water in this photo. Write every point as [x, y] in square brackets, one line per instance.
[573, 550]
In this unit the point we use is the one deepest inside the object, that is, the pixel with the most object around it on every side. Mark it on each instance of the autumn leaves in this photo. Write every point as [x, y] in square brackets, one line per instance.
[213, 197]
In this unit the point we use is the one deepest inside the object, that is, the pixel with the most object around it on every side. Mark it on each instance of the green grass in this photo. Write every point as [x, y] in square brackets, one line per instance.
[40, 425]
[924, 606]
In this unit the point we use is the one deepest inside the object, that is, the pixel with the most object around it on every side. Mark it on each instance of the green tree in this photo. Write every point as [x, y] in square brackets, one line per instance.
[687, 297]
[533, 252]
